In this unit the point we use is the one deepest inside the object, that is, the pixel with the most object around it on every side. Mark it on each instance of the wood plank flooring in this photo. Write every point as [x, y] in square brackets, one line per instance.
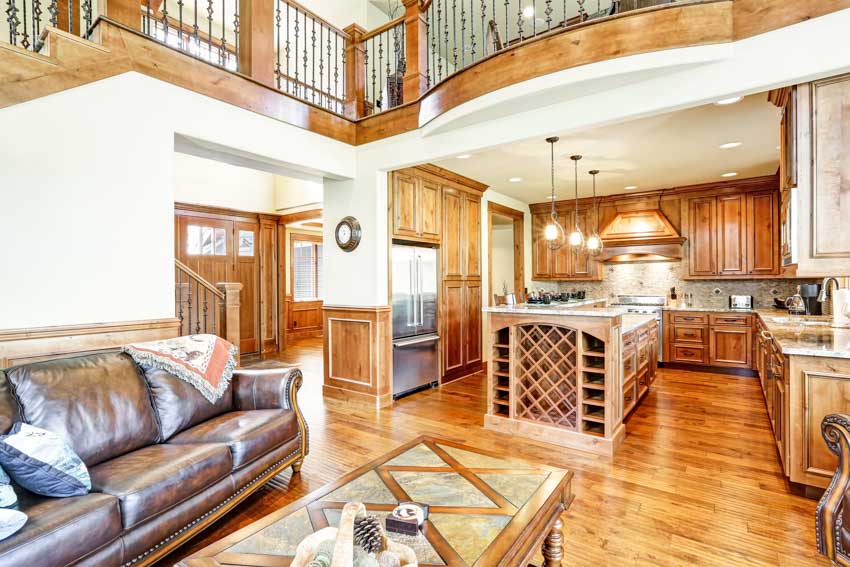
[697, 481]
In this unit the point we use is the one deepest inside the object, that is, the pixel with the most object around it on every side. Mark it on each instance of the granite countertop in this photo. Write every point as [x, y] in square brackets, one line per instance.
[634, 321]
[706, 309]
[806, 336]
[574, 308]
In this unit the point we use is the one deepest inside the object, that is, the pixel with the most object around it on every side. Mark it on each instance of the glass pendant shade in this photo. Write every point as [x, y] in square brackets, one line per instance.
[576, 238]
[594, 245]
[554, 232]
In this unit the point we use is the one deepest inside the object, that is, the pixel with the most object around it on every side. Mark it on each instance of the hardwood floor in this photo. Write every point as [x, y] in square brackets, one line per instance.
[697, 481]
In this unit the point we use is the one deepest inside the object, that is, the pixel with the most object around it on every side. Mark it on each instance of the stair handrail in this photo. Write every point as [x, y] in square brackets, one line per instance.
[197, 277]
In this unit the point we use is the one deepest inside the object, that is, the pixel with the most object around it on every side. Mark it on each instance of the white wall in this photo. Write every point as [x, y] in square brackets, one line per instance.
[293, 195]
[87, 212]
[203, 181]
[502, 242]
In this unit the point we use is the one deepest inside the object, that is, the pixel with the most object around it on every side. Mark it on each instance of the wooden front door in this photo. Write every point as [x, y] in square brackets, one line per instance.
[222, 250]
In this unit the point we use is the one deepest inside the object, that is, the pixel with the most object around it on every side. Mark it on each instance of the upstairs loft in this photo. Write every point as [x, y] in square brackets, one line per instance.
[280, 59]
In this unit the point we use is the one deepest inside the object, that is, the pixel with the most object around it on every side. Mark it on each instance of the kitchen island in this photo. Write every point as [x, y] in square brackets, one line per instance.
[568, 373]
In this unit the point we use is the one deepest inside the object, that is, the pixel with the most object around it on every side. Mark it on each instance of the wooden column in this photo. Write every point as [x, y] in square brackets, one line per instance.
[416, 40]
[355, 73]
[256, 40]
[126, 12]
[231, 313]
[62, 16]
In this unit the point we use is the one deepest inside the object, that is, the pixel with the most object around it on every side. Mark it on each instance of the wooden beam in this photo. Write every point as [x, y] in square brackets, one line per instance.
[355, 76]
[256, 40]
[416, 44]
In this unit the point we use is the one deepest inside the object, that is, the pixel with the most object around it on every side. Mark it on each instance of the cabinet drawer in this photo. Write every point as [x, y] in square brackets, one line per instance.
[630, 365]
[683, 334]
[628, 340]
[643, 355]
[629, 396]
[690, 318]
[738, 320]
[690, 354]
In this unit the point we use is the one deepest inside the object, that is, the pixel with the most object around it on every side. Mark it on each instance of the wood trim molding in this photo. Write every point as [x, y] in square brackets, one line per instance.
[519, 248]
[442, 176]
[19, 346]
[358, 354]
[290, 218]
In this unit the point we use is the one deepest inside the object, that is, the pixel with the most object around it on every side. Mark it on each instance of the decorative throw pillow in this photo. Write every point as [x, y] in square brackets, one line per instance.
[10, 522]
[8, 498]
[42, 462]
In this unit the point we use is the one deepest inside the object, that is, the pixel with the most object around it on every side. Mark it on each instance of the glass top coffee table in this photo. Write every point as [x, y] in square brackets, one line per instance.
[485, 510]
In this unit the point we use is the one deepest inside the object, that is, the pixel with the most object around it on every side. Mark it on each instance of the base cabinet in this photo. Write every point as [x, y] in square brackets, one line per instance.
[709, 339]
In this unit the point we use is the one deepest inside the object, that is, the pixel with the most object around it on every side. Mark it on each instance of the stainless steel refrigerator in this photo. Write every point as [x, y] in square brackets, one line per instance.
[415, 338]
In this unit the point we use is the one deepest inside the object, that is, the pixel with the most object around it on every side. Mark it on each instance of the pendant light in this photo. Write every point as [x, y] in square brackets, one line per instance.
[553, 233]
[593, 244]
[576, 236]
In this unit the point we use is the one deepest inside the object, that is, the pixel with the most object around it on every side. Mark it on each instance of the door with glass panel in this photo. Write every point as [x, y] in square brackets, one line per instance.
[225, 251]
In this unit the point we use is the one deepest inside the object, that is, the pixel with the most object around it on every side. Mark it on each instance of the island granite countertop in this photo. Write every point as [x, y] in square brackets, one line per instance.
[574, 308]
[632, 321]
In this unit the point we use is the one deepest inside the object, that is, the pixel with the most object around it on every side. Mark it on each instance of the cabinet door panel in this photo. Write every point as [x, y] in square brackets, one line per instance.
[694, 335]
[763, 237]
[581, 262]
[452, 338]
[731, 346]
[702, 236]
[472, 323]
[429, 210]
[731, 235]
[690, 354]
[452, 245]
[542, 266]
[405, 196]
[472, 235]
[562, 258]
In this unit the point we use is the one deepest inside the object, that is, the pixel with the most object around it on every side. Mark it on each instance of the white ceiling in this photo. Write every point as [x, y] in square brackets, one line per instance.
[670, 150]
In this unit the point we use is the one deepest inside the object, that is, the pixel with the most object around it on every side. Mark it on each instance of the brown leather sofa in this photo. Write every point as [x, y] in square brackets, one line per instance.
[164, 462]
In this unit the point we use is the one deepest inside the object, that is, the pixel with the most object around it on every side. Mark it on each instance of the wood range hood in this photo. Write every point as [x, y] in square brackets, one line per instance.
[641, 236]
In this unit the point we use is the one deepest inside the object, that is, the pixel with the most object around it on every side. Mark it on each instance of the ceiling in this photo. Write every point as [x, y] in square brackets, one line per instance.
[669, 150]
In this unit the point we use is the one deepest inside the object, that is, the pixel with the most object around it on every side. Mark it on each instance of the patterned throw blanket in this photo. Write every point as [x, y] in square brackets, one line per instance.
[204, 361]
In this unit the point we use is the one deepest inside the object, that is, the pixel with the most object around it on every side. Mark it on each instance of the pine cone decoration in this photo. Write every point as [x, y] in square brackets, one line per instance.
[368, 534]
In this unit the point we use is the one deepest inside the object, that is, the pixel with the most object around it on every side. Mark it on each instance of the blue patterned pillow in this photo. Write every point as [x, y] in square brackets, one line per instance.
[42, 462]
[10, 522]
[8, 498]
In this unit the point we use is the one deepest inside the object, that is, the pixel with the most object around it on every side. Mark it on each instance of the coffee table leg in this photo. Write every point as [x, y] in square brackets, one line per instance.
[553, 546]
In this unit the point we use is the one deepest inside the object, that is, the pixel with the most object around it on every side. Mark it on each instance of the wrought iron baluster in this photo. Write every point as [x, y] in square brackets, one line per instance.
[196, 37]
[164, 21]
[25, 37]
[343, 77]
[548, 13]
[53, 10]
[313, 62]
[180, 22]
[180, 298]
[534, 18]
[446, 26]
[454, 34]
[277, 46]
[36, 21]
[287, 47]
[13, 21]
[462, 35]
[329, 101]
[210, 12]
[297, 85]
[565, 13]
[520, 17]
[70, 17]
[472, 30]
[582, 13]
[305, 59]
[380, 95]
[483, 28]
[374, 92]
[336, 72]
[216, 305]
[236, 33]
[223, 48]
[507, 23]
[438, 55]
[366, 67]
[197, 308]
[189, 305]
[206, 309]
[429, 39]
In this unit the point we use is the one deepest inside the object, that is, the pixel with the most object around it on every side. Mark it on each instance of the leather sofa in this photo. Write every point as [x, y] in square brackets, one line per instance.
[164, 462]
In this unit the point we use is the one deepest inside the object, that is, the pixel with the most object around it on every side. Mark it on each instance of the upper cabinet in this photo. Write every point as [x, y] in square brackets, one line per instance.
[565, 263]
[461, 246]
[734, 235]
[415, 208]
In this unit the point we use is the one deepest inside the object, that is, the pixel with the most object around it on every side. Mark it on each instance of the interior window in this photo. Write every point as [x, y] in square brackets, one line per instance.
[220, 242]
[193, 239]
[306, 270]
[246, 242]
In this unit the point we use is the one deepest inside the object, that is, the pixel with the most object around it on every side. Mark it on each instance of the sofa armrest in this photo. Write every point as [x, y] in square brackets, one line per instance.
[836, 432]
[275, 388]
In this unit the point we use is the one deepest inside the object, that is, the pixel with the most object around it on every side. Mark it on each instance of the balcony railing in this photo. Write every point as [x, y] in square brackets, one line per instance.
[354, 72]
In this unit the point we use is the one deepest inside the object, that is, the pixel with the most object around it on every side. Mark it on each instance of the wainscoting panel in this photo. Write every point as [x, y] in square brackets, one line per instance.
[21, 346]
[357, 351]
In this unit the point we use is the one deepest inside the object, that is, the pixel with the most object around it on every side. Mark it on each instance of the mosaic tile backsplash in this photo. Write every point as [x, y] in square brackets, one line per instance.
[656, 278]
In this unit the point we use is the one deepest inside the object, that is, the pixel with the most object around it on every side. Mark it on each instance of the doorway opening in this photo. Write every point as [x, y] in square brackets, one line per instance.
[506, 254]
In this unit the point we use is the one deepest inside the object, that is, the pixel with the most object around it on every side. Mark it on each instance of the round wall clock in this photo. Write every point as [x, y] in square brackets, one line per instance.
[348, 234]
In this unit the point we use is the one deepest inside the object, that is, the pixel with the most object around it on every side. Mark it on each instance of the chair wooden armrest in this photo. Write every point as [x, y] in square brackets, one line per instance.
[836, 432]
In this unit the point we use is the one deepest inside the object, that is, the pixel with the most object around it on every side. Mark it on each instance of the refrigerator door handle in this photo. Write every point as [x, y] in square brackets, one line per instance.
[419, 294]
[411, 308]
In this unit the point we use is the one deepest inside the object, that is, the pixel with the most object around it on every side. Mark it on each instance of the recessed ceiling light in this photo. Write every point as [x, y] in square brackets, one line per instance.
[464, 156]
[515, 179]
[730, 145]
[528, 12]
[730, 174]
[630, 187]
[730, 100]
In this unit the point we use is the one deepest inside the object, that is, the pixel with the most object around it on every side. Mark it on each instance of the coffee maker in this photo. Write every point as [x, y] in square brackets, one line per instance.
[809, 293]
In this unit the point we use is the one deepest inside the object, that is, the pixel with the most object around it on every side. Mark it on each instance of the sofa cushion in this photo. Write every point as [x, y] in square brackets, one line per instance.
[8, 405]
[178, 404]
[248, 434]
[99, 403]
[60, 531]
[155, 478]
[259, 468]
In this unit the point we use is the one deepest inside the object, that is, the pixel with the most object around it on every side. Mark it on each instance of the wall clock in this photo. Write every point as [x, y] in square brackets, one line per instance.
[348, 234]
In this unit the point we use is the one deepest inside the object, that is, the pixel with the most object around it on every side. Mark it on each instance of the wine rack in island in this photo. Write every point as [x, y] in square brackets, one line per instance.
[557, 378]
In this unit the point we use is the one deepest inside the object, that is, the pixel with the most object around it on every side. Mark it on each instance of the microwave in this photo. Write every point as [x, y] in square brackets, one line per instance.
[740, 302]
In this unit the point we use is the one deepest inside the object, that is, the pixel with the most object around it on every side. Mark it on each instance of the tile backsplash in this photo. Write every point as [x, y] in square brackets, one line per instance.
[656, 278]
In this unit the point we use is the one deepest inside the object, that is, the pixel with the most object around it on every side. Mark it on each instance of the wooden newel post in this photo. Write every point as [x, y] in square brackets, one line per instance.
[416, 45]
[355, 72]
[256, 40]
[231, 313]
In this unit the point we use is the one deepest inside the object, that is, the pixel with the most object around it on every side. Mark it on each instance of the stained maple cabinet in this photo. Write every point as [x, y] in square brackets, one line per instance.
[734, 235]
[416, 206]
[563, 264]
